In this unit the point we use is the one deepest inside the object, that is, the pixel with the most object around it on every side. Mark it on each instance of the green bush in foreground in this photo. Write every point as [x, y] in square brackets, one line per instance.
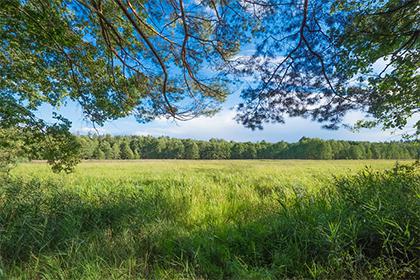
[363, 226]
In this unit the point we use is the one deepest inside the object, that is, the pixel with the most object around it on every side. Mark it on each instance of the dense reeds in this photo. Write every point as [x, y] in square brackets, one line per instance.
[243, 220]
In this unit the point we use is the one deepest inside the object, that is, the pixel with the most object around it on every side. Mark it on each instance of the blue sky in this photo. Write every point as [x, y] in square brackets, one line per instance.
[222, 125]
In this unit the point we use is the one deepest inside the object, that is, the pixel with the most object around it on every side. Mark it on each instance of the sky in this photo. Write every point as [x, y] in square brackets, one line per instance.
[221, 126]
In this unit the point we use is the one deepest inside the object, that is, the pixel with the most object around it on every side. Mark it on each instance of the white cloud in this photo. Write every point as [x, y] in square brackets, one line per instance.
[86, 130]
[224, 126]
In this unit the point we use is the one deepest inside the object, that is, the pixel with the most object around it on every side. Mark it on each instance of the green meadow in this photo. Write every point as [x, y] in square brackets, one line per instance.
[176, 219]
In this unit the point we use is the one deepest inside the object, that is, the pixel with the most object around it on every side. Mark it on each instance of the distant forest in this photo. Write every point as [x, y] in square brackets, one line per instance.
[148, 147]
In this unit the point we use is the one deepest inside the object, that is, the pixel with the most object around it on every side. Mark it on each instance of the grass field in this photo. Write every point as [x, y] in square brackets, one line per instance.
[173, 219]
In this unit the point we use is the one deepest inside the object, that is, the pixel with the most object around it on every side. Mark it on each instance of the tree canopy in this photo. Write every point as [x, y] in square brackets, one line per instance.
[148, 147]
[176, 59]
[321, 59]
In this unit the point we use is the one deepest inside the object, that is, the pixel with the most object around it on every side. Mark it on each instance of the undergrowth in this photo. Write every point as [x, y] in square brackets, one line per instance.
[363, 226]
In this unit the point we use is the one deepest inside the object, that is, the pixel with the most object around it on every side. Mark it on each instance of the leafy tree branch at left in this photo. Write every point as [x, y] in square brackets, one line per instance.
[24, 135]
[114, 58]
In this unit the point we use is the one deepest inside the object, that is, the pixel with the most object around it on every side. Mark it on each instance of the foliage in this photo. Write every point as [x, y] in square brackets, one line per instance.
[147, 147]
[387, 31]
[176, 59]
[10, 149]
[109, 58]
[22, 135]
[211, 220]
[125, 151]
[191, 150]
[329, 57]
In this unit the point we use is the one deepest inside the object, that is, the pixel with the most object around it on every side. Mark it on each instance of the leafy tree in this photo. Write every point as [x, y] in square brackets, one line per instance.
[215, 149]
[100, 147]
[161, 146]
[279, 150]
[125, 151]
[98, 154]
[386, 31]
[356, 152]
[108, 57]
[237, 151]
[135, 147]
[35, 137]
[136, 155]
[11, 148]
[106, 148]
[191, 150]
[87, 147]
[250, 151]
[368, 151]
[325, 150]
[175, 149]
[321, 62]
[116, 151]
[263, 149]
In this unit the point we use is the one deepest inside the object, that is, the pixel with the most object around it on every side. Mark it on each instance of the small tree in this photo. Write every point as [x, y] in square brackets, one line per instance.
[116, 151]
[107, 149]
[191, 150]
[237, 151]
[250, 151]
[125, 151]
[325, 150]
[356, 152]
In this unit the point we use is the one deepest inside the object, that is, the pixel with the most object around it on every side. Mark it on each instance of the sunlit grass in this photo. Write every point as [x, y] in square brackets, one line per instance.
[208, 220]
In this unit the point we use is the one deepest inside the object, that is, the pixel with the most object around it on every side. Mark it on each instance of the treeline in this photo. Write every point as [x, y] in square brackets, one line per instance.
[148, 147]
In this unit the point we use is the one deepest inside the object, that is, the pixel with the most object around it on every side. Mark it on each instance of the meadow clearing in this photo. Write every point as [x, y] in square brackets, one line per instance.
[177, 219]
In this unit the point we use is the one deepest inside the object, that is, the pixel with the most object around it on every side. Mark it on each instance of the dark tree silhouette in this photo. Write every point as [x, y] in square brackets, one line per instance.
[315, 58]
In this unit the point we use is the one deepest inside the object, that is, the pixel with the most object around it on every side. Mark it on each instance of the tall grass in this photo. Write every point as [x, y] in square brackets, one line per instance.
[209, 221]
